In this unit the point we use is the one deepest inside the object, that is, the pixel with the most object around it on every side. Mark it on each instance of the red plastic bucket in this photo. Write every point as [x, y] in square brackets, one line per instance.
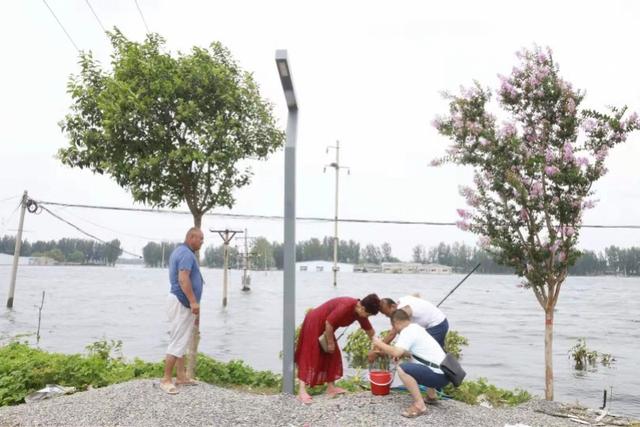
[380, 382]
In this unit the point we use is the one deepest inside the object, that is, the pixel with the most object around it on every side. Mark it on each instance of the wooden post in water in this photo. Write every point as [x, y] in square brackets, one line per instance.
[16, 252]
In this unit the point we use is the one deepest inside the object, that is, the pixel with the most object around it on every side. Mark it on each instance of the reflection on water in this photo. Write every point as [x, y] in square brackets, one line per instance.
[504, 323]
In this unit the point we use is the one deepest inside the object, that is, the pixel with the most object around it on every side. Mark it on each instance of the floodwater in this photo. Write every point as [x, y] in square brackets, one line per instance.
[503, 322]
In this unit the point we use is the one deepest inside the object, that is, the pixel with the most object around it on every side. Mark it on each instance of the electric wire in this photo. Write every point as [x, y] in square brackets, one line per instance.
[96, 16]
[8, 198]
[144, 21]
[61, 26]
[86, 233]
[138, 236]
[279, 217]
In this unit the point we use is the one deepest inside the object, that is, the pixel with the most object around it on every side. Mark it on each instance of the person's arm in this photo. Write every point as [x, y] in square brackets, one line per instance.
[184, 278]
[391, 350]
[328, 335]
[370, 333]
[390, 336]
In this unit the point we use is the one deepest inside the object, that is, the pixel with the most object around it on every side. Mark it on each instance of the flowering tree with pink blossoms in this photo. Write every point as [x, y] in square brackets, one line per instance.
[533, 172]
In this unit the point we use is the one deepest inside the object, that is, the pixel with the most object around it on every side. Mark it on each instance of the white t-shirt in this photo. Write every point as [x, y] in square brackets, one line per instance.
[424, 313]
[416, 340]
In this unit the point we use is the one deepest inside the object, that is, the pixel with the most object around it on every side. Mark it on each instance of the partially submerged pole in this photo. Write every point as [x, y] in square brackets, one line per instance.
[16, 253]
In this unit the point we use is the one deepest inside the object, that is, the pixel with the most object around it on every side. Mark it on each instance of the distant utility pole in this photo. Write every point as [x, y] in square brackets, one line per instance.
[16, 253]
[226, 235]
[337, 167]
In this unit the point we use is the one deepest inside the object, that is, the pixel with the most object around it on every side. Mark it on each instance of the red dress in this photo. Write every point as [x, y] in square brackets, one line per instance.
[314, 365]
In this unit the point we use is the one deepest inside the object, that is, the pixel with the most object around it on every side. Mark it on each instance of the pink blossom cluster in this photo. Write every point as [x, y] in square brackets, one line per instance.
[589, 125]
[470, 196]
[567, 152]
[484, 242]
[601, 154]
[462, 225]
[589, 204]
[536, 189]
[551, 170]
[464, 214]
[507, 130]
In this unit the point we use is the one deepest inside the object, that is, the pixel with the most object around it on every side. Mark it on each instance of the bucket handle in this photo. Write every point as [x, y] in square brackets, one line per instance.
[381, 385]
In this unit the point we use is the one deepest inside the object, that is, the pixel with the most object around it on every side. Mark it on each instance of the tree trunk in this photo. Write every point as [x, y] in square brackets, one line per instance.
[192, 351]
[548, 351]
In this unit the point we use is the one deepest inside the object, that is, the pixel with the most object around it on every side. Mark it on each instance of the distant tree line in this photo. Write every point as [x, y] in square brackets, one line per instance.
[76, 251]
[461, 257]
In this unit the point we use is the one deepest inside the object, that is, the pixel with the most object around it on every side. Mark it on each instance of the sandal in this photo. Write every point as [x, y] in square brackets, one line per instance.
[413, 412]
[188, 382]
[429, 401]
[168, 388]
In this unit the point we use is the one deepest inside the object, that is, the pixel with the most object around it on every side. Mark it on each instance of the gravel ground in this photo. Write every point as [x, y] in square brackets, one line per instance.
[142, 403]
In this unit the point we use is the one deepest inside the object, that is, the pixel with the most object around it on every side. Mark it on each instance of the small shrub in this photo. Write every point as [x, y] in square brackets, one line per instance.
[453, 343]
[585, 358]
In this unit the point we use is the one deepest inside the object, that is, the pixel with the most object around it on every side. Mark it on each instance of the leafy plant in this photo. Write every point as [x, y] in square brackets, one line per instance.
[24, 369]
[453, 343]
[472, 392]
[584, 357]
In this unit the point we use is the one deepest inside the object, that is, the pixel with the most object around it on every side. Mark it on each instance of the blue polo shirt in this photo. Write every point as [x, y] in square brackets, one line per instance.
[183, 258]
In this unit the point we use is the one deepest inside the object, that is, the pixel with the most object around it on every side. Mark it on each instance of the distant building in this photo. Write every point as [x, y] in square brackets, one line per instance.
[322, 266]
[435, 269]
[404, 268]
[367, 268]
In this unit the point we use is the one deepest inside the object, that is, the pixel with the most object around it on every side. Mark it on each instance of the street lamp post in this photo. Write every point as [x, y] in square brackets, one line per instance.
[289, 276]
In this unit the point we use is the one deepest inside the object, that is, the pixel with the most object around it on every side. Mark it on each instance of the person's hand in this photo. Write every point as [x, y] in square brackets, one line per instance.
[331, 347]
[376, 342]
[372, 356]
[195, 308]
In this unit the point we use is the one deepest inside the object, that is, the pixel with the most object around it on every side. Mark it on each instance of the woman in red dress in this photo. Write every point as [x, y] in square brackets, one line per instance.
[315, 366]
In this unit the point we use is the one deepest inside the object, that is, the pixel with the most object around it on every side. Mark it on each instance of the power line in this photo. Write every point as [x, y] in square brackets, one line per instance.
[86, 233]
[61, 26]
[96, 15]
[278, 217]
[142, 16]
[8, 198]
[112, 230]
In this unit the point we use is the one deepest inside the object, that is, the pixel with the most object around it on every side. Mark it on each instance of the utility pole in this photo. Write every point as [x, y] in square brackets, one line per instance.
[16, 252]
[226, 236]
[337, 167]
[245, 280]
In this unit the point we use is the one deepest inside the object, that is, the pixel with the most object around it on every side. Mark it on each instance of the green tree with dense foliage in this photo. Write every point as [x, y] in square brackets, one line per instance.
[169, 128]
[533, 172]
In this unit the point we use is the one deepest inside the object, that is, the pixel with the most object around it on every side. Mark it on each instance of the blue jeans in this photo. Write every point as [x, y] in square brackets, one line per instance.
[424, 375]
[439, 332]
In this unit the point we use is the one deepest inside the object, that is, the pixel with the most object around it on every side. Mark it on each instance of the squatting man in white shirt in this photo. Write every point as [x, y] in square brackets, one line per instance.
[413, 339]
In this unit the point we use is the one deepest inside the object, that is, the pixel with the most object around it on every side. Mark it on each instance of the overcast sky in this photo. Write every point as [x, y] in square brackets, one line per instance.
[366, 73]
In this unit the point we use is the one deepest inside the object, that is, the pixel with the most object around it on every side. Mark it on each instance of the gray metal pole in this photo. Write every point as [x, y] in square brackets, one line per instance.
[16, 253]
[226, 269]
[289, 296]
[335, 223]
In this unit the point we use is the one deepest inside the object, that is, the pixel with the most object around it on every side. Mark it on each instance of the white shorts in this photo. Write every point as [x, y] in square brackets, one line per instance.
[182, 321]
